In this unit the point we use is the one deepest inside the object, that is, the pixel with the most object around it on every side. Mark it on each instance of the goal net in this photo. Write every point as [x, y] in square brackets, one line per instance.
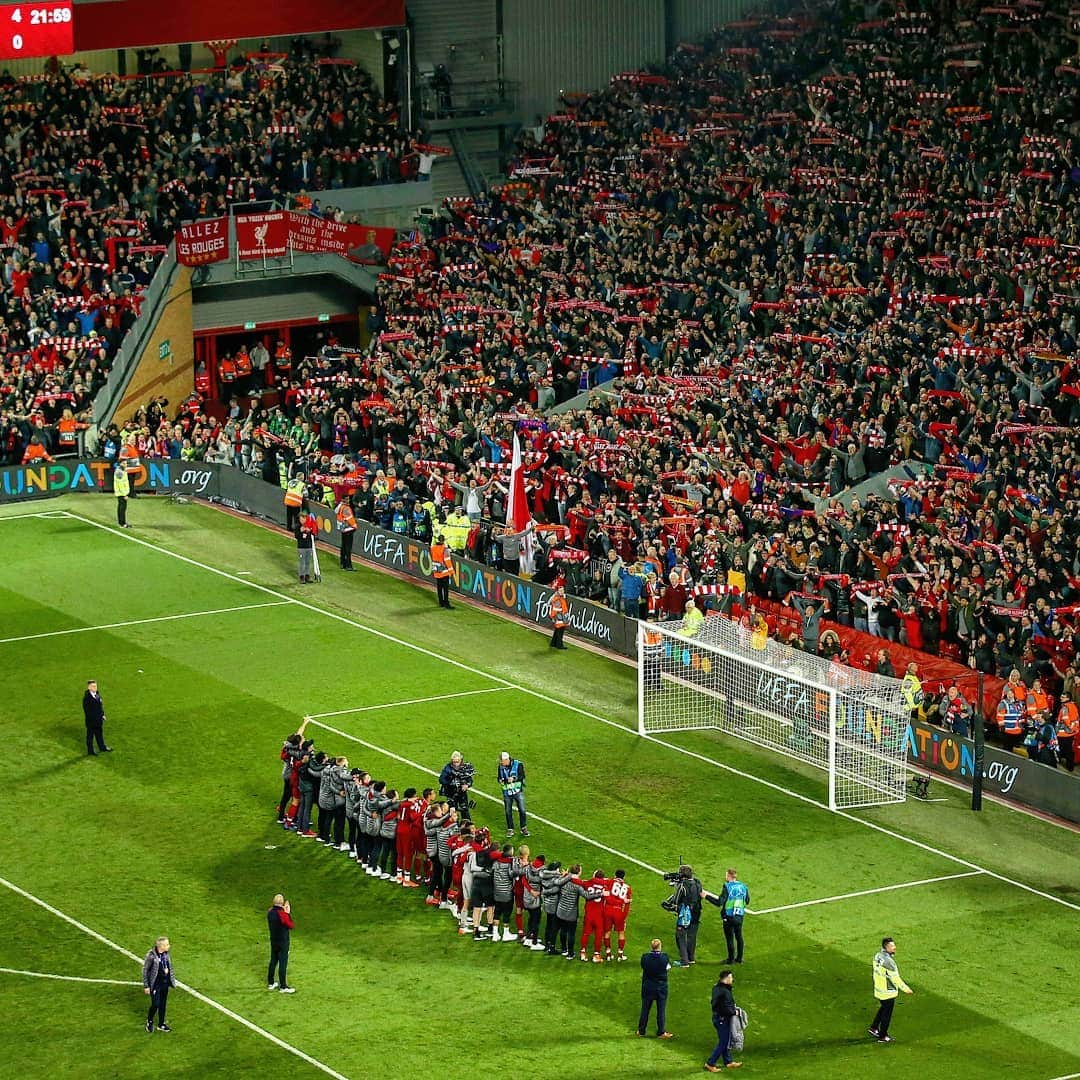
[850, 723]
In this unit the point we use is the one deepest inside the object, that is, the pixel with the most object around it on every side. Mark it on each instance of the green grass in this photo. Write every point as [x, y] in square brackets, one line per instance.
[174, 834]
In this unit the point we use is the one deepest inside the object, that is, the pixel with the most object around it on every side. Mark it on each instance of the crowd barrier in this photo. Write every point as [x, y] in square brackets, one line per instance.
[1005, 774]
[1008, 775]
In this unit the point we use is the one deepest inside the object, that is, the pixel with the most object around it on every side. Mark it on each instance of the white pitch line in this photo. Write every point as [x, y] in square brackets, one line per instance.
[411, 701]
[23, 517]
[68, 978]
[183, 986]
[581, 712]
[864, 892]
[1071, 1076]
[141, 622]
[492, 798]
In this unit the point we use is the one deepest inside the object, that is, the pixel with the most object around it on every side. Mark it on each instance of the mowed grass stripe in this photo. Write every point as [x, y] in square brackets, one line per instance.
[882, 830]
[215, 735]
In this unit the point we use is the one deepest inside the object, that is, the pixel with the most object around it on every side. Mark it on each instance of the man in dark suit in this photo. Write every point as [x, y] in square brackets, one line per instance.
[94, 714]
[655, 966]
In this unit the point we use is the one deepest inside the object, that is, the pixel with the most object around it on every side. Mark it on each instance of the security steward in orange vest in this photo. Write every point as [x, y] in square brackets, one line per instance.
[652, 657]
[560, 615]
[346, 521]
[1068, 726]
[442, 566]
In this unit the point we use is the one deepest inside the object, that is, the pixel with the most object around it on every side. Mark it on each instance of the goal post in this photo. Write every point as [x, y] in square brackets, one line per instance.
[851, 724]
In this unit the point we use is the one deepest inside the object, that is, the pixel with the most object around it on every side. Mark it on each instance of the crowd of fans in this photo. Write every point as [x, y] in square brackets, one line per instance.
[416, 839]
[811, 251]
[97, 173]
[806, 252]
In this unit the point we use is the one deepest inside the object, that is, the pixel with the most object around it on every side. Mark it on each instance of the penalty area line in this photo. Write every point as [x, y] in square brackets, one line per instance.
[68, 978]
[383, 635]
[143, 622]
[491, 798]
[224, 1010]
[864, 892]
[411, 701]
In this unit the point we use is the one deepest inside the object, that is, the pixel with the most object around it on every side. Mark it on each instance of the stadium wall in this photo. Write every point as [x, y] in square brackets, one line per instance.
[1006, 775]
[689, 20]
[568, 45]
[166, 364]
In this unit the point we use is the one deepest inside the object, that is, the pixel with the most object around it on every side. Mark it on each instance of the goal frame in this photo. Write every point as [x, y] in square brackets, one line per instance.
[877, 792]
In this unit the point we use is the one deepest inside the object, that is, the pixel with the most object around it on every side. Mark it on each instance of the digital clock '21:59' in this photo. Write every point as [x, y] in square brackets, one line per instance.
[36, 30]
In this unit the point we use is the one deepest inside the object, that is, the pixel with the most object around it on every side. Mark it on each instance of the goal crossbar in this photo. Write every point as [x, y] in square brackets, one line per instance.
[849, 723]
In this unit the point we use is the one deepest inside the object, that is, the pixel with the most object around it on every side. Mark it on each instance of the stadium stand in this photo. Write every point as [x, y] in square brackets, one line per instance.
[98, 172]
[792, 261]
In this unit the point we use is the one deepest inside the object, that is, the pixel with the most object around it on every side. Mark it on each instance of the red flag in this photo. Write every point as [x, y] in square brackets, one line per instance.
[518, 516]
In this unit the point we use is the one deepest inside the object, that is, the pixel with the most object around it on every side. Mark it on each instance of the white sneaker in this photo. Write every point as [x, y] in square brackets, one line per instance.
[509, 935]
[445, 905]
[287, 990]
[343, 846]
[271, 986]
[537, 947]
[384, 876]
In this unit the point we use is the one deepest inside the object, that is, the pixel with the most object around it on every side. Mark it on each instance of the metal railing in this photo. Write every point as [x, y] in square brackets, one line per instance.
[464, 99]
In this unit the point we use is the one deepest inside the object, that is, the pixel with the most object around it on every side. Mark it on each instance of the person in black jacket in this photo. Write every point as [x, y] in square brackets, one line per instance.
[688, 893]
[723, 1009]
[94, 715]
[655, 966]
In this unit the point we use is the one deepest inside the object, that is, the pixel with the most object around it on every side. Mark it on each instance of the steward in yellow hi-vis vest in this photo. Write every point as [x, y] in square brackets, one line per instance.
[887, 985]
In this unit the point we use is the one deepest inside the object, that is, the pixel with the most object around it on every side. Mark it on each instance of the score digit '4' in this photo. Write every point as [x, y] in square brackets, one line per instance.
[16, 15]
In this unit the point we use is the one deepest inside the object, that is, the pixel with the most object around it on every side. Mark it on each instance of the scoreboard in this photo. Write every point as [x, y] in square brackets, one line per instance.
[33, 30]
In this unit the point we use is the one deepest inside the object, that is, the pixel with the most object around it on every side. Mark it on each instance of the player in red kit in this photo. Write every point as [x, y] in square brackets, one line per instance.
[595, 891]
[460, 846]
[418, 863]
[405, 837]
[617, 897]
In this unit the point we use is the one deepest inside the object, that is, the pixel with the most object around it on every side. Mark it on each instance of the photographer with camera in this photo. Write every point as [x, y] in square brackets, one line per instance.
[685, 902]
[455, 780]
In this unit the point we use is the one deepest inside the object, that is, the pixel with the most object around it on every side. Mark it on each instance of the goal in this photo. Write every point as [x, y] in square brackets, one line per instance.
[849, 723]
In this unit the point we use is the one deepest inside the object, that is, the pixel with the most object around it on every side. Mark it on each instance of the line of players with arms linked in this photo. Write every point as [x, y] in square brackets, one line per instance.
[414, 839]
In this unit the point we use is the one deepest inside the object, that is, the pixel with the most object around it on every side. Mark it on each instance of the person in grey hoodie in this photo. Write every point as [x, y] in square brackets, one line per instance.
[386, 861]
[436, 817]
[571, 892]
[371, 824]
[341, 780]
[354, 793]
[307, 782]
[324, 799]
[446, 830]
[550, 887]
[478, 866]
[502, 880]
[530, 896]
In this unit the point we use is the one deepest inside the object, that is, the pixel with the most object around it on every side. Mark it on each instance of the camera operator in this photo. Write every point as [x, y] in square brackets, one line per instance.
[455, 780]
[687, 905]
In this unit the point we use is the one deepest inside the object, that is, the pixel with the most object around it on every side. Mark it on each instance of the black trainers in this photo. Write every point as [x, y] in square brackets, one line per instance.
[872, 1033]
[150, 1025]
[885, 1038]
[164, 1027]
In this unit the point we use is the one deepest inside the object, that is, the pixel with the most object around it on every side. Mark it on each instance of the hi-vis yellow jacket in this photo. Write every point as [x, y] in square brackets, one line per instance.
[887, 981]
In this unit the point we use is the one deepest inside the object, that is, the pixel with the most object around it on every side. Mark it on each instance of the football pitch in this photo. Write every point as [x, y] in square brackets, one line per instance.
[208, 653]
